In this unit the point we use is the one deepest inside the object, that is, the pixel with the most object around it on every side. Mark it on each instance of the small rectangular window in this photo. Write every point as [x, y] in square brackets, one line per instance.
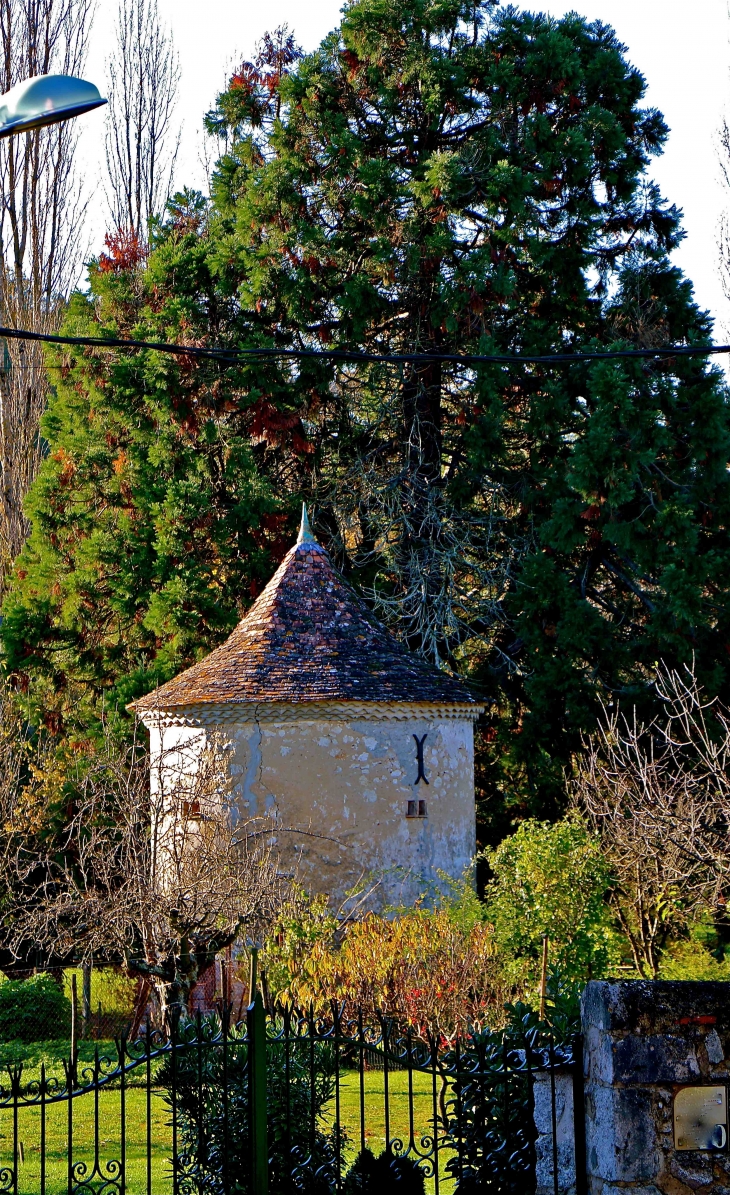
[416, 809]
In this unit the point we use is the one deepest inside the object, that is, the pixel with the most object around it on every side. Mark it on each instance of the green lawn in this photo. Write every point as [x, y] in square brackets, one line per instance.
[399, 1117]
[53, 1054]
[29, 1119]
[158, 1181]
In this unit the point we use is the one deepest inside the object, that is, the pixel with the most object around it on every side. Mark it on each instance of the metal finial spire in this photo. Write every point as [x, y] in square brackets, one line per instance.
[305, 531]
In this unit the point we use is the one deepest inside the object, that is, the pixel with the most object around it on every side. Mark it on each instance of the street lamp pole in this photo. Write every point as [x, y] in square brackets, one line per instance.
[44, 100]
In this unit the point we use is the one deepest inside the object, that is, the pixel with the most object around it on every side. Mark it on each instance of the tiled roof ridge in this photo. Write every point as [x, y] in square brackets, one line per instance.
[308, 637]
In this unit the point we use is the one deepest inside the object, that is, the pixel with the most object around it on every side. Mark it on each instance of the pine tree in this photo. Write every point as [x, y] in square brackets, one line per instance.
[449, 178]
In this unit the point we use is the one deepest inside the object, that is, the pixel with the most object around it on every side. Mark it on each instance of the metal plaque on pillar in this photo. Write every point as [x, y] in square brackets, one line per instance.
[700, 1118]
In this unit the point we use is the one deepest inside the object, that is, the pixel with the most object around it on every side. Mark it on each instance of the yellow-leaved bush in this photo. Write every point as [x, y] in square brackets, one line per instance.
[432, 970]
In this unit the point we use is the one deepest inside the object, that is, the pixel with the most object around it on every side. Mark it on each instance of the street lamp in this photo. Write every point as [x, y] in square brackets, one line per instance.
[45, 99]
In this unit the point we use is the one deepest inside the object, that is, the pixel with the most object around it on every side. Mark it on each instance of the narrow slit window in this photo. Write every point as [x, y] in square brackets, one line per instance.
[416, 809]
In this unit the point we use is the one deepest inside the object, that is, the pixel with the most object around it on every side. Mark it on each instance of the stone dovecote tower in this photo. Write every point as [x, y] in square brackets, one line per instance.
[358, 750]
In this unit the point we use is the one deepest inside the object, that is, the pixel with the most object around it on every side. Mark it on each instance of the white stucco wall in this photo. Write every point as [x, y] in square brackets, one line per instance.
[337, 789]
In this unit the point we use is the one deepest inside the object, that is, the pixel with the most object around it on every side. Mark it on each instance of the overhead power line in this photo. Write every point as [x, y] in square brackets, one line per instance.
[233, 355]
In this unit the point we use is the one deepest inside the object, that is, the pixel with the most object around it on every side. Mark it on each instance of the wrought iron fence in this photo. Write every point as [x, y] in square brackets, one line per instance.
[285, 1103]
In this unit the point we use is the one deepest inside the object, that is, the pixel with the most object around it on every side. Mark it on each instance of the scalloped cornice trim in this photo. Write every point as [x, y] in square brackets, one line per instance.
[239, 713]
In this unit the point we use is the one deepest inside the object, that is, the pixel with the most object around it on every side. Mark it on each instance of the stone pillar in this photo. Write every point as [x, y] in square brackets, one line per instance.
[643, 1043]
[542, 1092]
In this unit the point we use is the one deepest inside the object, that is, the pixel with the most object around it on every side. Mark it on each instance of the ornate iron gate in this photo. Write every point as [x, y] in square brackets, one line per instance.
[283, 1103]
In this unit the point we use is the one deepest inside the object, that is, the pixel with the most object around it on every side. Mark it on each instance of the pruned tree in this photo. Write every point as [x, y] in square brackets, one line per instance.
[158, 883]
[41, 240]
[141, 135]
[659, 796]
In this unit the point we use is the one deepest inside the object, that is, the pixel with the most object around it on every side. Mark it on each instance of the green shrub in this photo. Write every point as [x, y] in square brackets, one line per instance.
[110, 988]
[378, 1175]
[701, 955]
[551, 878]
[34, 1009]
[213, 1133]
[691, 960]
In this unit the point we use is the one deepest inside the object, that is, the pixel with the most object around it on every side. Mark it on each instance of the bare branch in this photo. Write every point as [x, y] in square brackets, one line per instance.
[659, 796]
[42, 246]
[159, 883]
[142, 139]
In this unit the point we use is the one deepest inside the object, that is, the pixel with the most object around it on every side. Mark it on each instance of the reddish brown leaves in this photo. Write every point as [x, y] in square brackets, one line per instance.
[126, 252]
[68, 468]
[277, 429]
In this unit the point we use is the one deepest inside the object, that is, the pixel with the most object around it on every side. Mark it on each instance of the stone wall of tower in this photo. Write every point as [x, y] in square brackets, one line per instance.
[340, 787]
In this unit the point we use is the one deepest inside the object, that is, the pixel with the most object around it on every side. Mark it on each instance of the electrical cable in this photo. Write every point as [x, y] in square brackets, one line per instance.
[233, 355]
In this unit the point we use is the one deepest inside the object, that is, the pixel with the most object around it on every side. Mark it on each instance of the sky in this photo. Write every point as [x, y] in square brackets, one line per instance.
[683, 51]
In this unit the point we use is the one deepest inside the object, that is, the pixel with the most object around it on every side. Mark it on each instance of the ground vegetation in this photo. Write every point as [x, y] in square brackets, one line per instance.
[428, 969]
[29, 1007]
[300, 1086]
[455, 961]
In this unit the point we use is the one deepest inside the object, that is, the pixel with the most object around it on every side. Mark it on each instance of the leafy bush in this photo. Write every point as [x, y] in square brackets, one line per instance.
[378, 1175]
[552, 879]
[431, 969]
[490, 1126]
[33, 1009]
[458, 963]
[213, 1140]
[701, 955]
[691, 960]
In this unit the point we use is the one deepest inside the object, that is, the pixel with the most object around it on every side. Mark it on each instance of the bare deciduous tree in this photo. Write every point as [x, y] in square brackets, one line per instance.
[141, 139]
[41, 239]
[659, 797]
[158, 883]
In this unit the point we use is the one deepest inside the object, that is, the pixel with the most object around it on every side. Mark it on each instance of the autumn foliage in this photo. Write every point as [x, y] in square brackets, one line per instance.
[125, 251]
[435, 971]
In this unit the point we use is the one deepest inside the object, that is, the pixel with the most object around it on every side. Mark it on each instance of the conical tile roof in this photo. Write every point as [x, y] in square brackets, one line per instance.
[308, 638]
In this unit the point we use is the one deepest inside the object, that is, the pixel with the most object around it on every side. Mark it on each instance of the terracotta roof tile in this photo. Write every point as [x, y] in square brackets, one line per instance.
[308, 638]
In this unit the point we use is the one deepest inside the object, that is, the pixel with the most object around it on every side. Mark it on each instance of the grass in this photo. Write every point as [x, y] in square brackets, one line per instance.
[109, 1120]
[140, 1120]
[400, 1127]
[52, 1054]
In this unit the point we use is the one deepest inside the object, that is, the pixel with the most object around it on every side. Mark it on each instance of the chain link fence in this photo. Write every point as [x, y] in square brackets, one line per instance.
[56, 1005]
